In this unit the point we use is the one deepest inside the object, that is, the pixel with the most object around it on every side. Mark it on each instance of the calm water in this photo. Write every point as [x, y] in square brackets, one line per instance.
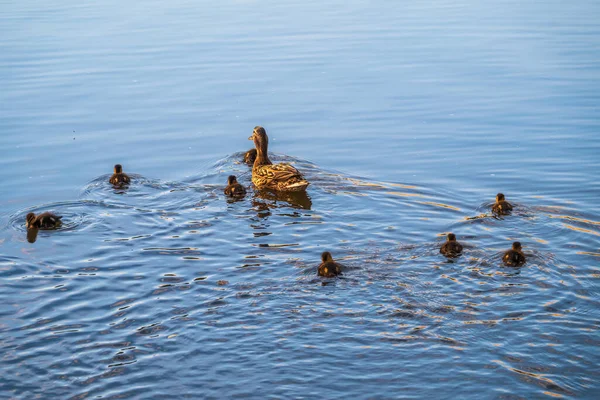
[407, 117]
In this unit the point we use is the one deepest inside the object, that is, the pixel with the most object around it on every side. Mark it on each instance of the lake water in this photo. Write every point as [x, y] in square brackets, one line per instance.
[407, 118]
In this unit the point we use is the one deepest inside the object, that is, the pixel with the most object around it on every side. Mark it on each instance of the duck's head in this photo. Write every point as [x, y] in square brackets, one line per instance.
[30, 218]
[451, 237]
[118, 168]
[259, 136]
[499, 197]
[250, 156]
[326, 257]
[517, 246]
[231, 180]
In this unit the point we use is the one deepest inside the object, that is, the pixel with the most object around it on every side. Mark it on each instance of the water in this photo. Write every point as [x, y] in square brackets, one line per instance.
[407, 118]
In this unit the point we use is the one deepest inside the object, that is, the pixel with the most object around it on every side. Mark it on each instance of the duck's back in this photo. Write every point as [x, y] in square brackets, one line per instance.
[502, 207]
[330, 269]
[48, 220]
[119, 178]
[451, 248]
[281, 177]
[513, 258]
[235, 190]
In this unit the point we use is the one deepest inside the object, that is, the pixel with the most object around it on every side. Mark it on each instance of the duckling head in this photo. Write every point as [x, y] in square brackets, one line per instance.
[250, 156]
[118, 168]
[326, 257]
[516, 246]
[259, 136]
[451, 237]
[30, 218]
[231, 180]
[499, 197]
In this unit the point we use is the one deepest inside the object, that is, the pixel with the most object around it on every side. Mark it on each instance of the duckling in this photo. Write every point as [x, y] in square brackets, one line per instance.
[451, 248]
[119, 177]
[514, 257]
[234, 189]
[328, 267]
[266, 175]
[45, 220]
[250, 156]
[501, 206]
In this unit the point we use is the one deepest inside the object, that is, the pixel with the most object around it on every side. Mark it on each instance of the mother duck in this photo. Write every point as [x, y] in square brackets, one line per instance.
[266, 175]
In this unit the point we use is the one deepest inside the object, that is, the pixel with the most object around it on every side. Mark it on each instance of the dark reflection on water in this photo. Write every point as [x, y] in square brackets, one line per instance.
[264, 200]
[167, 289]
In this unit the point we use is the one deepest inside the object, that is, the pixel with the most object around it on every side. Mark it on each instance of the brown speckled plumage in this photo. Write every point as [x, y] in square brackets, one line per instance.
[451, 248]
[234, 189]
[250, 157]
[45, 221]
[501, 206]
[514, 257]
[266, 175]
[119, 177]
[328, 267]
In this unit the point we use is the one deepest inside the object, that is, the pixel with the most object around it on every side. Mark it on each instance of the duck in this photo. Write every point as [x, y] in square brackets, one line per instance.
[514, 257]
[328, 267]
[501, 206]
[119, 177]
[266, 175]
[451, 248]
[46, 221]
[250, 156]
[234, 188]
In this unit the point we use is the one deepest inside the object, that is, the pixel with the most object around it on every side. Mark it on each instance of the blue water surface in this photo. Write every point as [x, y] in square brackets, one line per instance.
[406, 117]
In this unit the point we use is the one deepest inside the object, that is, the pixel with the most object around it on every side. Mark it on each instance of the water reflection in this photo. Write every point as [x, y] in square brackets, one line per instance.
[262, 208]
[32, 234]
[120, 188]
[299, 200]
[233, 200]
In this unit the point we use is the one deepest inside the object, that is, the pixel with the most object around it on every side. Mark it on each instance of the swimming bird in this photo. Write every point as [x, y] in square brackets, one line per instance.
[45, 220]
[119, 177]
[250, 156]
[266, 175]
[234, 189]
[328, 267]
[501, 206]
[451, 248]
[514, 257]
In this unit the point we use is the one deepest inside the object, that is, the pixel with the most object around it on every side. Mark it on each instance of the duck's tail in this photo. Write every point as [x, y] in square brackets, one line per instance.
[299, 186]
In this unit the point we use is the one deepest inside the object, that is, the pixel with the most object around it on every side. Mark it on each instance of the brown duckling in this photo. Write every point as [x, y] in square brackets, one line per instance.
[234, 189]
[501, 206]
[45, 221]
[328, 267]
[451, 248]
[514, 257]
[266, 175]
[119, 177]
[250, 157]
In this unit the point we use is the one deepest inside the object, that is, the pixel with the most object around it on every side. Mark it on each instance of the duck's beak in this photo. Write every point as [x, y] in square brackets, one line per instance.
[251, 137]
